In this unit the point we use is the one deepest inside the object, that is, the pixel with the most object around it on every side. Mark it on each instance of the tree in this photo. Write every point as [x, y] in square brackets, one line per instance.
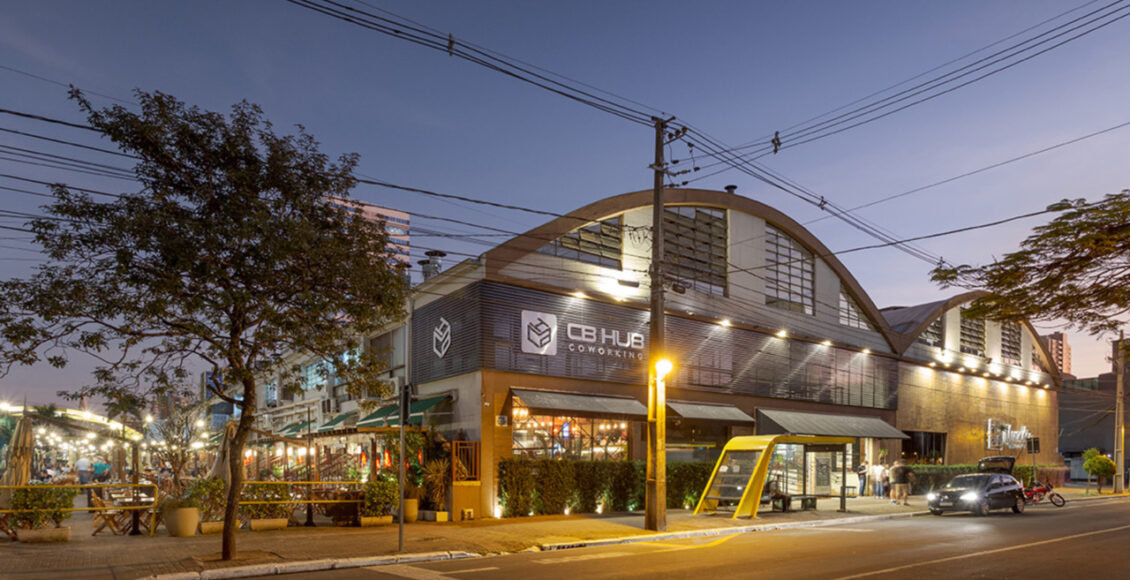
[1099, 466]
[1075, 269]
[176, 438]
[239, 247]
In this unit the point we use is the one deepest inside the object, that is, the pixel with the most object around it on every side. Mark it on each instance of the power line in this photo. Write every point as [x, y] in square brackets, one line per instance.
[71, 143]
[48, 120]
[64, 85]
[405, 30]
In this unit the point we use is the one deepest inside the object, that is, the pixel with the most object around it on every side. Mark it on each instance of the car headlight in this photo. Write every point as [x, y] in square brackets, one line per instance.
[970, 496]
[931, 496]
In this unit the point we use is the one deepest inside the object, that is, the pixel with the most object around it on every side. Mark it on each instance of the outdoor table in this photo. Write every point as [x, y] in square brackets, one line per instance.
[139, 501]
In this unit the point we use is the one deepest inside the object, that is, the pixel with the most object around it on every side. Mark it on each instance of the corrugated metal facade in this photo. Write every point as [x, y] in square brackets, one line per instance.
[604, 342]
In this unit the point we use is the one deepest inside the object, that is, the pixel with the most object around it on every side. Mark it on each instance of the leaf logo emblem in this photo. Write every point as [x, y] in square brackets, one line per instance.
[441, 337]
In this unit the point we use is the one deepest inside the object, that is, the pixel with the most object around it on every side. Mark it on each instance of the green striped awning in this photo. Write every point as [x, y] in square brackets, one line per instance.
[341, 421]
[389, 415]
[377, 418]
[296, 429]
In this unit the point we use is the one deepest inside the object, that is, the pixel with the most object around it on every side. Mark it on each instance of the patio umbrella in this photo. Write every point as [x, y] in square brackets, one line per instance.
[222, 468]
[20, 450]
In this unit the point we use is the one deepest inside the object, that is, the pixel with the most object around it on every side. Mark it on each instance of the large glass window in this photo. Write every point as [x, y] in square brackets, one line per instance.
[789, 267]
[695, 248]
[933, 335]
[850, 314]
[271, 394]
[313, 376]
[597, 243]
[543, 436]
[972, 335]
[924, 447]
[1010, 343]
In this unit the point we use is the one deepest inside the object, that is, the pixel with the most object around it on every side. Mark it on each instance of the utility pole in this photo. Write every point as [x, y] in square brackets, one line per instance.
[655, 517]
[1119, 415]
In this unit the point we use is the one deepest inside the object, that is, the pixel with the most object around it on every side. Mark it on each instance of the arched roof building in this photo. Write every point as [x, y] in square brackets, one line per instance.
[540, 346]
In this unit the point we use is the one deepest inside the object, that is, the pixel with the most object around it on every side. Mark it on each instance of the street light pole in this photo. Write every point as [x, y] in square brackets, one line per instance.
[1119, 415]
[655, 517]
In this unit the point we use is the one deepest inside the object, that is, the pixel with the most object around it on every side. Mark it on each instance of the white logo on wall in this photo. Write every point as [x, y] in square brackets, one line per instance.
[539, 336]
[539, 333]
[441, 337]
[1000, 435]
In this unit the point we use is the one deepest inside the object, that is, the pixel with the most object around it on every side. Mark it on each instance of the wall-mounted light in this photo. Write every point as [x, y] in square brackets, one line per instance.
[827, 343]
[782, 333]
[725, 322]
[579, 294]
[866, 351]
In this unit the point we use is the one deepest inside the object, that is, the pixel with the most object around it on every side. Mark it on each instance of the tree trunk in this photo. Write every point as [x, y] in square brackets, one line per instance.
[235, 466]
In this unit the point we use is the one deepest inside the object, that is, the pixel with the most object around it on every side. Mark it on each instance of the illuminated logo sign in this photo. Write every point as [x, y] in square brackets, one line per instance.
[441, 337]
[1000, 435]
[539, 336]
[539, 333]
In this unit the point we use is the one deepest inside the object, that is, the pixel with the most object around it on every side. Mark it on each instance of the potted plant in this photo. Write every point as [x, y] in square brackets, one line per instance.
[380, 497]
[36, 506]
[266, 516]
[181, 514]
[212, 495]
[411, 501]
[437, 478]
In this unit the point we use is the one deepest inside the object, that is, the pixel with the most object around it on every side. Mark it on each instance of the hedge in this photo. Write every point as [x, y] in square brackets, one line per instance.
[931, 477]
[550, 486]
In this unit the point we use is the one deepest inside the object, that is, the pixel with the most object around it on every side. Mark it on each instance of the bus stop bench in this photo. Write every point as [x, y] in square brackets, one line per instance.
[784, 502]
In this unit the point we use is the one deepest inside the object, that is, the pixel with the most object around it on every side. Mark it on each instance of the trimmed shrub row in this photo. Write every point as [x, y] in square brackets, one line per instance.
[930, 477]
[549, 486]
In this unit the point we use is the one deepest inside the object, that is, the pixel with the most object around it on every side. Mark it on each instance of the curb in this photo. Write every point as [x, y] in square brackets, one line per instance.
[723, 531]
[309, 566]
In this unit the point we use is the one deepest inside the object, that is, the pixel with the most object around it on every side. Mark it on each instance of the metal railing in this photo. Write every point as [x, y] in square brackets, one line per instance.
[464, 461]
[151, 507]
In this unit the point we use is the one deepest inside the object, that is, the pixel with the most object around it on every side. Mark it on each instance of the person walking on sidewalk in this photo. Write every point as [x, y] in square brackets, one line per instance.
[878, 474]
[901, 476]
[861, 471]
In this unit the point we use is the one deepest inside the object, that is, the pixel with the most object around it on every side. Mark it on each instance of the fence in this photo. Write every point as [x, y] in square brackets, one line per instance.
[132, 505]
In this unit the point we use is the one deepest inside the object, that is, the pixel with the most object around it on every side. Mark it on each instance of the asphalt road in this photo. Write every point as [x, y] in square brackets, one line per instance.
[1081, 540]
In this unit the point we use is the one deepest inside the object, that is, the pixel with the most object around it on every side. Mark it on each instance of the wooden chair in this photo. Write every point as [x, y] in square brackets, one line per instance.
[115, 520]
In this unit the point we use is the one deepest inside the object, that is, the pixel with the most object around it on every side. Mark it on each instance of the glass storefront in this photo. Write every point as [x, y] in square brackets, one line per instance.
[544, 436]
[798, 471]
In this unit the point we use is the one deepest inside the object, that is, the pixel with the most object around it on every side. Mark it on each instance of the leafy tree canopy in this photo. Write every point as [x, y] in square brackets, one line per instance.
[239, 246]
[1076, 268]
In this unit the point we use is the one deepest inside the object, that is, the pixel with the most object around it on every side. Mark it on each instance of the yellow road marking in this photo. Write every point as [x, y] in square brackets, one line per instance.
[670, 548]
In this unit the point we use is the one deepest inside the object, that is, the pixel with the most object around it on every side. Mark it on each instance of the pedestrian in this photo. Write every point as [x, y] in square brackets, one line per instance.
[901, 476]
[887, 480]
[861, 471]
[101, 470]
[878, 474]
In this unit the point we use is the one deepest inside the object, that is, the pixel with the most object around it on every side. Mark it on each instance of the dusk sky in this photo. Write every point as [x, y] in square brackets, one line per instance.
[736, 70]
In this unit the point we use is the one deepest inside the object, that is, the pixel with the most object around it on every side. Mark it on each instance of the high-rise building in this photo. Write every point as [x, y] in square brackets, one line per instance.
[1060, 351]
[396, 224]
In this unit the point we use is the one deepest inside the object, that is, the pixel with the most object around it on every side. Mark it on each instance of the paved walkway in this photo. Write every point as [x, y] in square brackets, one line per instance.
[127, 557]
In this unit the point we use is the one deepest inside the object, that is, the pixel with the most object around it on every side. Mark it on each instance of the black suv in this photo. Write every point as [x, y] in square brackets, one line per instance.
[993, 488]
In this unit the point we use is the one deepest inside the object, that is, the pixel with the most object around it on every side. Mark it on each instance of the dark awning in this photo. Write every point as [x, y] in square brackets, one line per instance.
[774, 422]
[709, 412]
[377, 418]
[580, 405]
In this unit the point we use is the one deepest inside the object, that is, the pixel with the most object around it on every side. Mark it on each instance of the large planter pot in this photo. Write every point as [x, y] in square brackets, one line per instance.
[211, 527]
[368, 521]
[439, 516]
[411, 509]
[44, 535]
[181, 522]
[259, 525]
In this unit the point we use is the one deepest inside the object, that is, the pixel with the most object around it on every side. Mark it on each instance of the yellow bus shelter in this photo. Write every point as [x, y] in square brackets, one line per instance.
[740, 475]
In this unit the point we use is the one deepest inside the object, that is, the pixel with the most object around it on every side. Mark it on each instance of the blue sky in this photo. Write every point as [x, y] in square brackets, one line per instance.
[736, 70]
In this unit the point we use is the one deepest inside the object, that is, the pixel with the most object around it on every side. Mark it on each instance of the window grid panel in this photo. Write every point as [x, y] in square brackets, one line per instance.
[790, 272]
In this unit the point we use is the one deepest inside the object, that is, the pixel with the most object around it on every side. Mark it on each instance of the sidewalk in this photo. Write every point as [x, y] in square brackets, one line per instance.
[125, 557]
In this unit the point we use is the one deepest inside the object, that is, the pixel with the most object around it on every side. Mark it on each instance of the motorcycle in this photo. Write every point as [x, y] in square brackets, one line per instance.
[1038, 491]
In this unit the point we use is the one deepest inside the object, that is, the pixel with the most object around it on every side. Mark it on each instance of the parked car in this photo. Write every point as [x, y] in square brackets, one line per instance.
[978, 493]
